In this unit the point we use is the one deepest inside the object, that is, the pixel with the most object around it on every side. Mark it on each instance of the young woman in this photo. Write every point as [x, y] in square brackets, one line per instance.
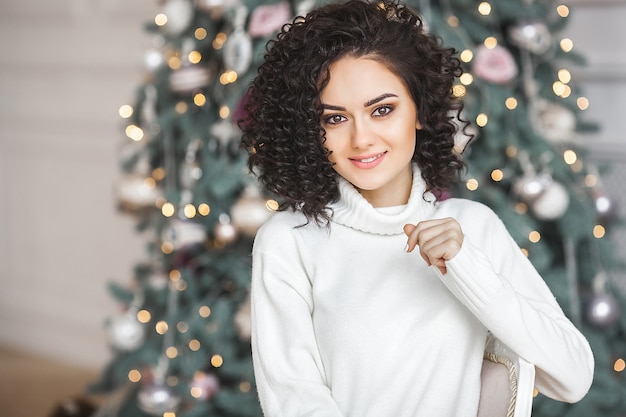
[369, 296]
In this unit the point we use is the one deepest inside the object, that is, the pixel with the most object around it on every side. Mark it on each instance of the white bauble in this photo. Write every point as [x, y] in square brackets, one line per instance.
[179, 15]
[533, 36]
[250, 211]
[238, 51]
[555, 122]
[552, 203]
[135, 193]
[125, 332]
[184, 233]
[157, 399]
[189, 78]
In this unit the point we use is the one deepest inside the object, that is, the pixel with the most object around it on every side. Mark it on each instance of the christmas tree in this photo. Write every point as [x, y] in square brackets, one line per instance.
[182, 345]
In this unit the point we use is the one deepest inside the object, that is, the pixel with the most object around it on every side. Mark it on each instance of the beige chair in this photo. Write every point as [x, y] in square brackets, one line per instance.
[507, 382]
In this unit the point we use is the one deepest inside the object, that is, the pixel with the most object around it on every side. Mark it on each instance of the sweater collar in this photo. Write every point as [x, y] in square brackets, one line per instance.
[354, 211]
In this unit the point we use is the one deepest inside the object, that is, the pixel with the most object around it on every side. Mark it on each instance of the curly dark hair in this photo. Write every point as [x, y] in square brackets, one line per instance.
[282, 130]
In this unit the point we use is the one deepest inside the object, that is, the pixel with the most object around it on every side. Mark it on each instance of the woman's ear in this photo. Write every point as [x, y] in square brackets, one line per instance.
[418, 125]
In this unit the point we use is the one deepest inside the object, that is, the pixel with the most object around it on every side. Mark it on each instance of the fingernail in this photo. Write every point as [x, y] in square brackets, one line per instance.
[406, 248]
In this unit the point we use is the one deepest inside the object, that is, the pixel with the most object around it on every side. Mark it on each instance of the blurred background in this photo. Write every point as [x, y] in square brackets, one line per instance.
[65, 69]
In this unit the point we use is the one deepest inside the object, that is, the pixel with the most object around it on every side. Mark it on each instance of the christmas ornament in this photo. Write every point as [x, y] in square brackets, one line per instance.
[553, 121]
[250, 211]
[135, 193]
[238, 51]
[153, 59]
[125, 332]
[602, 310]
[530, 186]
[189, 78]
[495, 65]
[552, 203]
[225, 232]
[183, 233]
[179, 15]
[533, 36]
[268, 19]
[242, 320]
[158, 398]
[204, 386]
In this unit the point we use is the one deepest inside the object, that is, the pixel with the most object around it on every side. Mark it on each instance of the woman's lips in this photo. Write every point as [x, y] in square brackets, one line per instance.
[368, 161]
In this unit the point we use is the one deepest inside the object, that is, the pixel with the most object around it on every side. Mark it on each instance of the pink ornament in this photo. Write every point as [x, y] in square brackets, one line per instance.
[266, 20]
[494, 65]
[204, 386]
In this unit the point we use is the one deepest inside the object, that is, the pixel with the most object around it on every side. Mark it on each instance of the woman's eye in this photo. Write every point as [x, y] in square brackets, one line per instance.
[334, 119]
[383, 110]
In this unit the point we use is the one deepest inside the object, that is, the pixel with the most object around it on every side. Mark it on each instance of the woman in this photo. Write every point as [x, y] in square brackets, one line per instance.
[369, 296]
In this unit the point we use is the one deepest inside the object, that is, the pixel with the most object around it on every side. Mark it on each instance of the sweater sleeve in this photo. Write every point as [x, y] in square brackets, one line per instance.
[498, 284]
[288, 368]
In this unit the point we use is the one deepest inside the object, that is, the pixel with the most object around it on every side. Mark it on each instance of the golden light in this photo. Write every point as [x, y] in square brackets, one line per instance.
[217, 360]
[582, 103]
[161, 327]
[564, 76]
[599, 231]
[562, 10]
[134, 132]
[171, 352]
[144, 316]
[175, 275]
[220, 40]
[199, 99]
[619, 365]
[591, 180]
[484, 8]
[482, 119]
[204, 209]
[511, 103]
[534, 236]
[134, 375]
[158, 173]
[181, 285]
[570, 157]
[272, 205]
[174, 62]
[169, 414]
[189, 211]
[490, 42]
[160, 19]
[566, 45]
[224, 112]
[521, 208]
[196, 392]
[194, 345]
[125, 111]
[149, 182]
[168, 209]
[204, 311]
[511, 151]
[459, 90]
[167, 247]
[558, 88]
[567, 91]
[181, 107]
[200, 34]
[466, 56]
[466, 78]
[453, 21]
[194, 57]
[472, 184]
[497, 175]
[245, 386]
[525, 252]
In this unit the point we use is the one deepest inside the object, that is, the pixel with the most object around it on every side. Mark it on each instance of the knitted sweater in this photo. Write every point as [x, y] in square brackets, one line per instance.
[346, 323]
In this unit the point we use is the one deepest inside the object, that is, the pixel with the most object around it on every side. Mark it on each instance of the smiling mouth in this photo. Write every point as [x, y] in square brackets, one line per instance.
[370, 158]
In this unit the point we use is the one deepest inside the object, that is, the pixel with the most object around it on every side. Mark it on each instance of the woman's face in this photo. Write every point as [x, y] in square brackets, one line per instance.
[370, 121]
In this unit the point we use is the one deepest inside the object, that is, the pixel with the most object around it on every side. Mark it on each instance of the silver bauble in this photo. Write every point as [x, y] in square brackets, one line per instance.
[225, 232]
[552, 203]
[157, 399]
[179, 15]
[533, 36]
[135, 193]
[189, 78]
[602, 310]
[183, 233]
[153, 59]
[250, 211]
[553, 121]
[125, 332]
[190, 173]
[530, 187]
[238, 51]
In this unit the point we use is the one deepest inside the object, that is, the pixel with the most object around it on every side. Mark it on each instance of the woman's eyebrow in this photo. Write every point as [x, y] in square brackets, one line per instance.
[366, 104]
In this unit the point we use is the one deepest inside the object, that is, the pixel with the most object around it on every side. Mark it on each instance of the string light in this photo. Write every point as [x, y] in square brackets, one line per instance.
[228, 77]
[200, 34]
[194, 345]
[134, 132]
[525, 252]
[272, 205]
[174, 62]
[160, 19]
[161, 327]
[171, 352]
[459, 90]
[466, 56]
[194, 57]
[144, 316]
[484, 8]
[591, 180]
[204, 311]
[158, 173]
[168, 209]
[521, 208]
[204, 209]
[472, 184]
[244, 386]
[217, 360]
[167, 247]
[466, 78]
[570, 157]
[134, 375]
[125, 111]
[562, 10]
[175, 275]
[220, 40]
[490, 42]
[190, 211]
[566, 45]
[453, 21]
[599, 231]
[511, 103]
[199, 99]
[534, 236]
[564, 76]
[181, 107]
[497, 175]
[619, 365]
[224, 112]
[482, 119]
[582, 103]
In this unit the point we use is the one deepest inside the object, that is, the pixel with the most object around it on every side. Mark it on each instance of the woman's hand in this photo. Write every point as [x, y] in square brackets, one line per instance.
[439, 240]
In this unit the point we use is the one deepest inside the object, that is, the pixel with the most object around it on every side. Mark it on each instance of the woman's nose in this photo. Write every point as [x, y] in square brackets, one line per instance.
[362, 135]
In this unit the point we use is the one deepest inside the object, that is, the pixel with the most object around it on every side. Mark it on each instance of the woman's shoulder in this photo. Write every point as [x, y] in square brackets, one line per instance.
[283, 227]
[462, 207]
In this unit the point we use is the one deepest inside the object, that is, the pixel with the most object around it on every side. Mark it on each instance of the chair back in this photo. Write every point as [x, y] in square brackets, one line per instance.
[507, 382]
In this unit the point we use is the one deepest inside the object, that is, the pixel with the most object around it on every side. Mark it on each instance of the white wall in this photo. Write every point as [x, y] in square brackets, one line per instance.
[65, 68]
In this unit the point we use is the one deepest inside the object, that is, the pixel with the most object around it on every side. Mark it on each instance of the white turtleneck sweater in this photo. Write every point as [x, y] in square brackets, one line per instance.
[346, 323]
